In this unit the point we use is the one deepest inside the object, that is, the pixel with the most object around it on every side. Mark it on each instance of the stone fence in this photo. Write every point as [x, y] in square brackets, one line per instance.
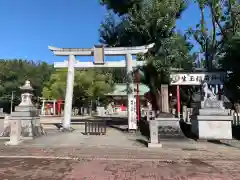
[187, 112]
[236, 119]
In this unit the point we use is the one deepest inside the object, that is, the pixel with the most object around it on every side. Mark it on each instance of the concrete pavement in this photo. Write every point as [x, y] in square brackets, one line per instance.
[116, 164]
[116, 156]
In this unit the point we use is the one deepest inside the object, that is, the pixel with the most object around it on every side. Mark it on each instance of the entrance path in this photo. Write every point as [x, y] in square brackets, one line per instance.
[116, 156]
[113, 138]
[49, 169]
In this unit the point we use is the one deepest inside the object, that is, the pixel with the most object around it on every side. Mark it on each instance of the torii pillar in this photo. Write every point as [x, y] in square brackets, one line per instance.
[99, 52]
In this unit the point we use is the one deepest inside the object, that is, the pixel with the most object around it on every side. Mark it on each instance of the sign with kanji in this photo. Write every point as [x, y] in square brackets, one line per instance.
[197, 78]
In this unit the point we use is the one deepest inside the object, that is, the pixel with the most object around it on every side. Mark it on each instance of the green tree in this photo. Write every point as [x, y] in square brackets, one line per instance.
[120, 6]
[224, 20]
[231, 64]
[146, 22]
[89, 85]
[13, 74]
[119, 75]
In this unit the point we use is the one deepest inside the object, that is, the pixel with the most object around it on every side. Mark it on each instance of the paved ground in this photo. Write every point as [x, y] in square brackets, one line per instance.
[116, 156]
[48, 169]
[117, 164]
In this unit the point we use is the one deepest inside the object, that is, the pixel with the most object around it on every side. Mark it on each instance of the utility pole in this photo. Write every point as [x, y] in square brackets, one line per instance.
[12, 101]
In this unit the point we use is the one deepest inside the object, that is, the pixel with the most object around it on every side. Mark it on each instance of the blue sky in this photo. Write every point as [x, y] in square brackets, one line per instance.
[27, 27]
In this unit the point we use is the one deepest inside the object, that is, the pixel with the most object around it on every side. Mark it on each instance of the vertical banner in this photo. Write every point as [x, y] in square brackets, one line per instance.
[132, 118]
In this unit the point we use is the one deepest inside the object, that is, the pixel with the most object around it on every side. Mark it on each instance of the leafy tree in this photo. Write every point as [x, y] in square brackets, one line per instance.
[146, 22]
[13, 74]
[224, 17]
[89, 85]
[120, 6]
[231, 64]
[119, 75]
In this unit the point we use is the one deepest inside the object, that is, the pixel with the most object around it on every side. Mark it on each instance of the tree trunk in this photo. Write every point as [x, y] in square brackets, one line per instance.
[158, 98]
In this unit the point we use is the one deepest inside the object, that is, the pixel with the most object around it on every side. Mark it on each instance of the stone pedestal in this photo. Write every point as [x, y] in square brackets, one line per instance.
[164, 128]
[169, 128]
[25, 124]
[213, 123]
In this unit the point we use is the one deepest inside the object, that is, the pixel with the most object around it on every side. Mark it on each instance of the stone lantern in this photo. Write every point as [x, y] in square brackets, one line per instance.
[26, 96]
[25, 121]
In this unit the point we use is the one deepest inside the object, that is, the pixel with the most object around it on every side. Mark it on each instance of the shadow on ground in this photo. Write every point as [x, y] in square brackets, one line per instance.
[220, 143]
[186, 129]
[119, 123]
[236, 132]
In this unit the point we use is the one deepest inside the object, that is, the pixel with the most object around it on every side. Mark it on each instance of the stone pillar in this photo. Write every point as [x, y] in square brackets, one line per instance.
[132, 119]
[54, 107]
[154, 141]
[15, 137]
[43, 108]
[164, 99]
[69, 93]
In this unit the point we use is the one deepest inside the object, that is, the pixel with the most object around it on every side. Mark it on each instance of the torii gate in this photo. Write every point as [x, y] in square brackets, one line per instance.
[99, 52]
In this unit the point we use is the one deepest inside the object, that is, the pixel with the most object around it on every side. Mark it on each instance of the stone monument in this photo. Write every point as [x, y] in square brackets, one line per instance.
[24, 121]
[213, 122]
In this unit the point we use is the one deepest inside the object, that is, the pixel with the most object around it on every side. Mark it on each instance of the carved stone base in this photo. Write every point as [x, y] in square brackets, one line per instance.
[164, 128]
[169, 128]
[213, 127]
[24, 123]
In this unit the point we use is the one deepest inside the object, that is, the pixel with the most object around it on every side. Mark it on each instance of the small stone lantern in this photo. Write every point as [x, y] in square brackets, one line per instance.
[26, 96]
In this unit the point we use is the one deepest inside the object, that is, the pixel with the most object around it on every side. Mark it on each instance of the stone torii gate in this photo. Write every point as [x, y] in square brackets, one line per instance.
[99, 52]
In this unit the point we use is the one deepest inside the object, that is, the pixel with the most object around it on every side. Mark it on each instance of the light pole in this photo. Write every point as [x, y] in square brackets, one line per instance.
[12, 97]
